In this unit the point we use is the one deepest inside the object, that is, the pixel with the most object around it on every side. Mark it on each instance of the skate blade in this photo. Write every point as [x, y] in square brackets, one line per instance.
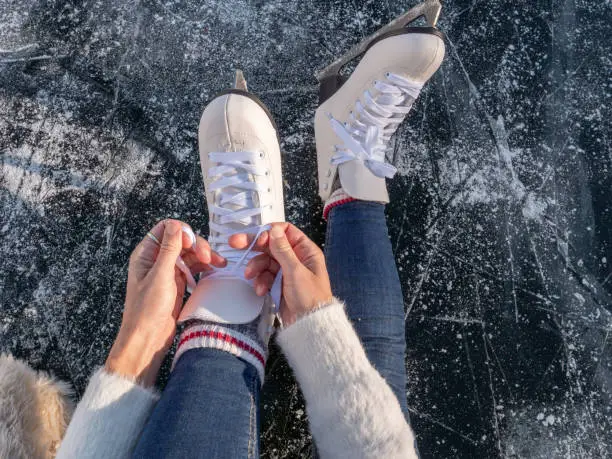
[240, 81]
[430, 9]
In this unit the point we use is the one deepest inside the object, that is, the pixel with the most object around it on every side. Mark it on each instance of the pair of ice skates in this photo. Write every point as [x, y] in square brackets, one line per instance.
[241, 160]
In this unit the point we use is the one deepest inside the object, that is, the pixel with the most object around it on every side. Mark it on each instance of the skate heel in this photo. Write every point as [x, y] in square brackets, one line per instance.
[429, 9]
[240, 82]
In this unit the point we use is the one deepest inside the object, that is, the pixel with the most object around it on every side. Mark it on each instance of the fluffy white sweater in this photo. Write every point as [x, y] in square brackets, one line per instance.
[351, 409]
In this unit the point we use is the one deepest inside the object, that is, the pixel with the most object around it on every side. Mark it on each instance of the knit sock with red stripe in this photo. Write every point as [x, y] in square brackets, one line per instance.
[242, 340]
[337, 198]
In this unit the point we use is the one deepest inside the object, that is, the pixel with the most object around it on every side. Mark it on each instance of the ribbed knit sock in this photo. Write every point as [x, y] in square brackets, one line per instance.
[337, 198]
[241, 340]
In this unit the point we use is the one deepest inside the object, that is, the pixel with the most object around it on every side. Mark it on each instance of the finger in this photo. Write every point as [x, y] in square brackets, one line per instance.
[194, 263]
[200, 268]
[204, 254]
[309, 254]
[189, 237]
[263, 283]
[281, 249]
[260, 263]
[243, 241]
[293, 233]
[202, 250]
[305, 249]
[148, 248]
[171, 245]
[218, 260]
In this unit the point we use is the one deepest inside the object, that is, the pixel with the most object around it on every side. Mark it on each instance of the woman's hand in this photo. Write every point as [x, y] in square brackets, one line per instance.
[155, 291]
[305, 280]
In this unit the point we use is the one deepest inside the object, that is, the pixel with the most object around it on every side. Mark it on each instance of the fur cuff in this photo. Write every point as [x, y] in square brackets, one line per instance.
[352, 411]
[321, 340]
[34, 411]
[109, 418]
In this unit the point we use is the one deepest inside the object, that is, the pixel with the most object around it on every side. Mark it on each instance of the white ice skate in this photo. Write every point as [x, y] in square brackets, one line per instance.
[358, 115]
[241, 165]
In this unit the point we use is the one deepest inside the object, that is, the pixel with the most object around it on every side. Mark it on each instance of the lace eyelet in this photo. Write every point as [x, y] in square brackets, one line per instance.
[267, 173]
[269, 190]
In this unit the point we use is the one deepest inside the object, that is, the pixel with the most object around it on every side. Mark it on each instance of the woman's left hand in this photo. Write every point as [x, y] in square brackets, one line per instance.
[154, 299]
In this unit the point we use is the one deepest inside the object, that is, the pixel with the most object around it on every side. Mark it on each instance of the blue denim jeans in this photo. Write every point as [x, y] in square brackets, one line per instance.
[209, 408]
[363, 274]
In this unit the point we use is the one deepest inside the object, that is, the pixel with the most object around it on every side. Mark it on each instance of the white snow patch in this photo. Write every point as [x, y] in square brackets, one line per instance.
[579, 297]
[549, 421]
[534, 208]
[37, 170]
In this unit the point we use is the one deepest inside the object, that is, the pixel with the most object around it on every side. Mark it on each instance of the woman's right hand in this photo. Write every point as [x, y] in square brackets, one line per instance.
[305, 280]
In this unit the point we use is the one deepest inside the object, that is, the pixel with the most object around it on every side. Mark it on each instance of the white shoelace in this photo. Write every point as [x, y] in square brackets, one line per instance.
[370, 126]
[237, 209]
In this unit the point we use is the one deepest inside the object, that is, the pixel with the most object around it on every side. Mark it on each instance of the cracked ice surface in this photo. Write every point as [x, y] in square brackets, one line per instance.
[501, 215]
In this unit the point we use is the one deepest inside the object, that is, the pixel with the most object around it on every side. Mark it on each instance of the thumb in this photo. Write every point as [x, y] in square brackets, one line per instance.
[281, 249]
[171, 246]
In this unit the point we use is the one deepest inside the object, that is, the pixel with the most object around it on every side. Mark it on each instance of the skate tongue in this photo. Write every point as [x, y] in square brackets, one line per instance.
[231, 301]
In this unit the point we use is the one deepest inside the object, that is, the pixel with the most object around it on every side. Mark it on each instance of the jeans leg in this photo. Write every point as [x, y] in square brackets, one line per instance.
[209, 408]
[363, 274]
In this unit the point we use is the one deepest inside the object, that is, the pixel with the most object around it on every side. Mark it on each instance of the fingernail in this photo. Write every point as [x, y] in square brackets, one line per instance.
[276, 232]
[189, 232]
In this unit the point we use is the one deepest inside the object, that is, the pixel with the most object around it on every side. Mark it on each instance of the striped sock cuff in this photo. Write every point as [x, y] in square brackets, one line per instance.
[337, 198]
[225, 339]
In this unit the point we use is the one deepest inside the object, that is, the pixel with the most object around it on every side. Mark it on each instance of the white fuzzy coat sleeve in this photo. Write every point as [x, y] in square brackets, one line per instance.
[352, 411]
[108, 420]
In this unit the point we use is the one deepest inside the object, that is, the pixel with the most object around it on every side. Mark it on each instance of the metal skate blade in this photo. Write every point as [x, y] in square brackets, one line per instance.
[240, 81]
[430, 9]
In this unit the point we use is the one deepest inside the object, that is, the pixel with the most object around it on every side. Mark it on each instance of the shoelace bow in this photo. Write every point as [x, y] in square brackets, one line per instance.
[372, 123]
[234, 204]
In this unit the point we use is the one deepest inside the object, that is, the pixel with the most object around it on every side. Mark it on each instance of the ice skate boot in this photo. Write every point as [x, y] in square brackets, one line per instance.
[358, 115]
[241, 165]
